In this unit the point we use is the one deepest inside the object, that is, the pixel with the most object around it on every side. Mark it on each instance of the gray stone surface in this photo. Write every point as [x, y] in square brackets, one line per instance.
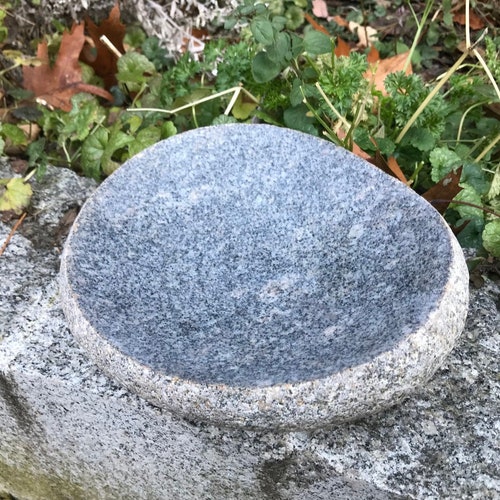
[67, 431]
[257, 276]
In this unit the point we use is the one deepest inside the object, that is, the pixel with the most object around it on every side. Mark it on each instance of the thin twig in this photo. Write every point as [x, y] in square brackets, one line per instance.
[109, 44]
[234, 90]
[488, 148]
[437, 88]
[346, 124]
[12, 231]
[466, 203]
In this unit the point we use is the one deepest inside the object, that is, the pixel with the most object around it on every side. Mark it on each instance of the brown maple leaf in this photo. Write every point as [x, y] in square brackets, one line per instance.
[101, 58]
[56, 85]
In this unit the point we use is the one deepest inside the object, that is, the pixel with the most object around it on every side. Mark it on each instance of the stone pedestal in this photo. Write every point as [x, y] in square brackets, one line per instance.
[69, 431]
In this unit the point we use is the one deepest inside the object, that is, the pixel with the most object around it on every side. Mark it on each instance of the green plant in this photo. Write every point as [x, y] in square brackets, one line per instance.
[411, 121]
[288, 74]
[4, 9]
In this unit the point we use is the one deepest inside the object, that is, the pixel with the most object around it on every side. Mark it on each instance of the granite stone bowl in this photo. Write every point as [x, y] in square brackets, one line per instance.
[255, 276]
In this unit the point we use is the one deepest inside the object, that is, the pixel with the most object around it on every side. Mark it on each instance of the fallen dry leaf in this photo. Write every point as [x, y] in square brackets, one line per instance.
[340, 21]
[475, 22]
[366, 34]
[441, 194]
[393, 164]
[373, 55]
[379, 70]
[389, 167]
[342, 48]
[195, 42]
[100, 57]
[320, 9]
[56, 85]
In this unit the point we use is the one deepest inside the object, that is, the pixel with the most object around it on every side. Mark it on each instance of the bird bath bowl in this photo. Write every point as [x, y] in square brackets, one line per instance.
[255, 276]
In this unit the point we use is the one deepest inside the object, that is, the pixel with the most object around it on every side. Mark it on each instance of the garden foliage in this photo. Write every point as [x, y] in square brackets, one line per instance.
[93, 106]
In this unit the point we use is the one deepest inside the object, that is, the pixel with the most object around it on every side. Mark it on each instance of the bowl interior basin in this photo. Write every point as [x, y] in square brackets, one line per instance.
[228, 257]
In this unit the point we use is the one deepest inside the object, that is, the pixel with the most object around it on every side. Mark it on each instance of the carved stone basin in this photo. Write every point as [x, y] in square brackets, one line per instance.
[254, 276]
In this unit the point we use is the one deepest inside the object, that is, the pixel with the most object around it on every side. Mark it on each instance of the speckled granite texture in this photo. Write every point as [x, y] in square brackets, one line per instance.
[68, 432]
[253, 276]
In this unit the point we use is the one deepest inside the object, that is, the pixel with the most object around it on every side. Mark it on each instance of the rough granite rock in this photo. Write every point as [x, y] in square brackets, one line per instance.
[67, 431]
[251, 279]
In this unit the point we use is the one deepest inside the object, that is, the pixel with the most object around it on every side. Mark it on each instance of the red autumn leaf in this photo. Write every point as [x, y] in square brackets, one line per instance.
[342, 48]
[396, 169]
[57, 84]
[101, 58]
[340, 21]
[390, 166]
[441, 194]
[373, 55]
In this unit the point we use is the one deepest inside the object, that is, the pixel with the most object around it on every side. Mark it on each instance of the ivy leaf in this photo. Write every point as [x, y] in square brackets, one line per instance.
[316, 43]
[443, 161]
[155, 53]
[92, 151]
[491, 237]
[242, 108]
[15, 195]
[134, 70]
[386, 146]
[98, 150]
[13, 133]
[474, 175]
[262, 30]
[264, 69]
[117, 140]
[297, 118]
[468, 195]
[134, 122]
[37, 155]
[294, 17]
[280, 52]
[420, 138]
[168, 130]
[470, 236]
[224, 120]
[83, 115]
[144, 138]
